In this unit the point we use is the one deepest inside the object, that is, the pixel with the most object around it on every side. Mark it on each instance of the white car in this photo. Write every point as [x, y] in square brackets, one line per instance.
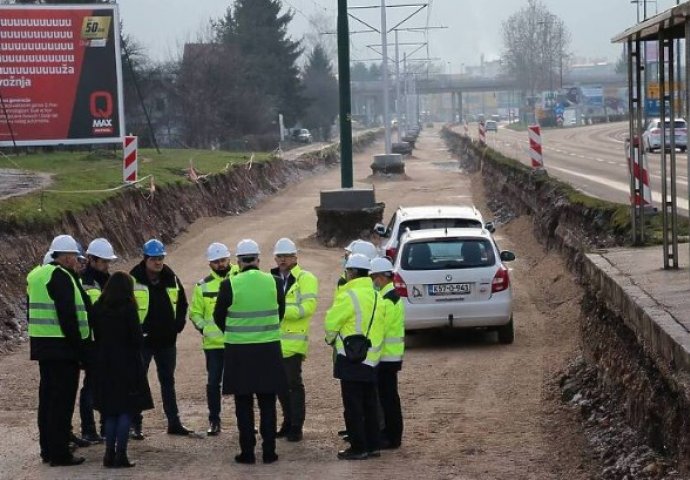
[651, 137]
[420, 218]
[455, 278]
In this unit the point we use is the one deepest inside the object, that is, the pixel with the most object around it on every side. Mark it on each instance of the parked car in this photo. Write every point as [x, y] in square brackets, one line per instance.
[455, 278]
[651, 137]
[491, 126]
[301, 135]
[426, 217]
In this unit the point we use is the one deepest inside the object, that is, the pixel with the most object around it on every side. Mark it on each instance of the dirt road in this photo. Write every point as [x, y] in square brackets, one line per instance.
[473, 409]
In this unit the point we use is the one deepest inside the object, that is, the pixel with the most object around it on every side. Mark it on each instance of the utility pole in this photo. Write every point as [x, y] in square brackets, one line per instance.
[346, 176]
[397, 84]
[386, 93]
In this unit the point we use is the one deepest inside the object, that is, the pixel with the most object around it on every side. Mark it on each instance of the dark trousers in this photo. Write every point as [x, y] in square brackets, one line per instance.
[390, 404]
[215, 360]
[360, 404]
[88, 421]
[166, 359]
[292, 401]
[244, 411]
[57, 393]
[117, 431]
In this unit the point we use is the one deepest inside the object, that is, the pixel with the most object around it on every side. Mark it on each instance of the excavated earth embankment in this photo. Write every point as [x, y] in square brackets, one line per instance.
[132, 217]
[635, 408]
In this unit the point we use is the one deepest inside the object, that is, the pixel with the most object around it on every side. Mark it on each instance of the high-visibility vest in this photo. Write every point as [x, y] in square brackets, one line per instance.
[141, 295]
[253, 316]
[92, 290]
[201, 309]
[351, 313]
[393, 325]
[300, 305]
[43, 319]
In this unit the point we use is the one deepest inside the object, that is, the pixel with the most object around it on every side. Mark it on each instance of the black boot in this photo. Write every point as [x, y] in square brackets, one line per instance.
[121, 460]
[109, 457]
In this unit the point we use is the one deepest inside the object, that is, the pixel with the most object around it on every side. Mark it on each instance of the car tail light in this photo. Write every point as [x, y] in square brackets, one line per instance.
[400, 285]
[682, 130]
[390, 253]
[501, 280]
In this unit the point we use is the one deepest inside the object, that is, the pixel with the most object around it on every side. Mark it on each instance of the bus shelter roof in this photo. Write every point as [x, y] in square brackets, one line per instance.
[671, 22]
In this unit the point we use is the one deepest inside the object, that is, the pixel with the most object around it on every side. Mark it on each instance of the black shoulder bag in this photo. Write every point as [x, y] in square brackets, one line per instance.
[357, 345]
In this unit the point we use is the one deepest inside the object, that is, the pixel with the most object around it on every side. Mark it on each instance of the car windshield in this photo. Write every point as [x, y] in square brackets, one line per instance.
[447, 253]
[430, 223]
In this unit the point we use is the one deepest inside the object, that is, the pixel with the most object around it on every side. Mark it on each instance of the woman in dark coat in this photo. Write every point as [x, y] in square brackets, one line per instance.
[121, 387]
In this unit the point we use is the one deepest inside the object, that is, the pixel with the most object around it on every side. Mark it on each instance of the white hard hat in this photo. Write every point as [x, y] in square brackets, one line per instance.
[285, 246]
[216, 251]
[48, 257]
[101, 248]
[380, 265]
[247, 248]
[357, 260]
[365, 248]
[64, 244]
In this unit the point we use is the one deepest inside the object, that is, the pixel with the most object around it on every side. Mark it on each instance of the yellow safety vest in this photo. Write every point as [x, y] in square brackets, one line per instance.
[351, 313]
[43, 318]
[141, 295]
[393, 324]
[253, 316]
[201, 309]
[300, 305]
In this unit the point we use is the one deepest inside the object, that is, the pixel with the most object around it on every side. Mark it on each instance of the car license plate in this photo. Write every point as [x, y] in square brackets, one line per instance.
[449, 289]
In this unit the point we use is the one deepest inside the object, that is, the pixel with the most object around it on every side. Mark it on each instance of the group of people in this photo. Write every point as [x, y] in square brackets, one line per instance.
[254, 327]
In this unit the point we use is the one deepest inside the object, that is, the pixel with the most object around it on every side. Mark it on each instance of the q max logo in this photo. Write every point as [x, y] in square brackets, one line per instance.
[101, 107]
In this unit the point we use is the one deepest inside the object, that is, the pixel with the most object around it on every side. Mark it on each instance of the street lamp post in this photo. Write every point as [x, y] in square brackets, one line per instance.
[346, 176]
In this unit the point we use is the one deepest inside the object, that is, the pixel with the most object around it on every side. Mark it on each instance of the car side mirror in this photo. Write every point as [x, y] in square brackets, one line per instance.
[507, 256]
[381, 230]
[490, 227]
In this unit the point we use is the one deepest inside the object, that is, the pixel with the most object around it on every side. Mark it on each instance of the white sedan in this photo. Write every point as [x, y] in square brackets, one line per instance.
[455, 278]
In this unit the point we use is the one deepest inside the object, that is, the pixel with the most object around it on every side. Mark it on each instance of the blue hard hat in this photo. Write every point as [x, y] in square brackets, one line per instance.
[154, 248]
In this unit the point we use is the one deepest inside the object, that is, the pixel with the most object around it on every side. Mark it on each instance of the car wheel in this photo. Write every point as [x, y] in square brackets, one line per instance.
[683, 149]
[506, 333]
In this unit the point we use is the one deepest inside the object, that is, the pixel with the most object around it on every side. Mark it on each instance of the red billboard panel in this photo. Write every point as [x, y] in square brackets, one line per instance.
[60, 75]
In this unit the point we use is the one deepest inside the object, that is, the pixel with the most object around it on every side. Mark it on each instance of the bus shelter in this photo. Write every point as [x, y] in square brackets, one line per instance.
[662, 34]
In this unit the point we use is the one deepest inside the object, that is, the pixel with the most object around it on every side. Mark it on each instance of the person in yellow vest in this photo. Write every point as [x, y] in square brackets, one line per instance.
[248, 310]
[162, 311]
[58, 327]
[201, 314]
[301, 290]
[391, 352]
[99, 255]
[356, 316]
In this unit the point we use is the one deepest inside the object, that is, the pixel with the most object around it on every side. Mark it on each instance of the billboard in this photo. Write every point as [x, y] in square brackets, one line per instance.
[60, 75]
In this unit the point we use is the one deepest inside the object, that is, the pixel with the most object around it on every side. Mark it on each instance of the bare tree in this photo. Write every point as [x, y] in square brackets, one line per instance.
[535, 43]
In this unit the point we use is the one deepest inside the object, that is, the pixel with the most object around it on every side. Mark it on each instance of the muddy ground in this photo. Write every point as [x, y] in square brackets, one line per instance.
[473, 409]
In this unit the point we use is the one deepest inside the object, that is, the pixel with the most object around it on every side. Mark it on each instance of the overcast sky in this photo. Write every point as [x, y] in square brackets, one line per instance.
[474, 26]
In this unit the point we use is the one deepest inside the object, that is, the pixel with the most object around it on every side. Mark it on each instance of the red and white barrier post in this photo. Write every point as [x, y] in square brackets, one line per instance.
[130, 165]
[466, 128]
[535, 150]
[638, 168]
[482, 133]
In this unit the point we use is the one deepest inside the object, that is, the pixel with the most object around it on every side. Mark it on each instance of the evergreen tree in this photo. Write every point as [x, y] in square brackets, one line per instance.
[321, 91]
[259, 31]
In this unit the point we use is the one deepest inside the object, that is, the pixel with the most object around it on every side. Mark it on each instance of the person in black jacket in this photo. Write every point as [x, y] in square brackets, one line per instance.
[163, 307]
[121, 388]
[57, 328]
[253, 361]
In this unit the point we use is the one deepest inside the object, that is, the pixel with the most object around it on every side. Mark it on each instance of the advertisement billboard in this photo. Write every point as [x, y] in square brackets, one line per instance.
[60, 75]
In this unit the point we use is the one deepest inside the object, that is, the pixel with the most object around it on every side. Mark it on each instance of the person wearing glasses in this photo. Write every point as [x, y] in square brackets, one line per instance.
[162, 308]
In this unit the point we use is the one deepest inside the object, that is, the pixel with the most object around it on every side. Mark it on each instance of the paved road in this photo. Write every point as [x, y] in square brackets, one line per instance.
[473, 409]
[590, 158]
